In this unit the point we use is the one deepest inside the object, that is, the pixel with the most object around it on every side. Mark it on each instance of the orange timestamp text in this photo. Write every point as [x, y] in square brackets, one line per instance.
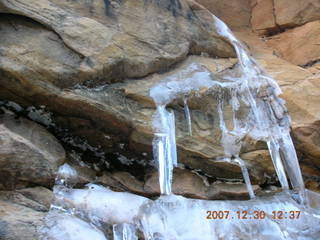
[247, 215]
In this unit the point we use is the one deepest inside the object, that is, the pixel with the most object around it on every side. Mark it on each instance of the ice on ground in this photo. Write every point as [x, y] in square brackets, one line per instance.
[60, 226]
[101, 204]
[175, 217]
[178, 218]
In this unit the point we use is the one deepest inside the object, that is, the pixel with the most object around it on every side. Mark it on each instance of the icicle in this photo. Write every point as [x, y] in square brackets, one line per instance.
[124, 231]
[246, 177]
[164, 147]
[187, 115]
[172, 135]
[292, 166]
[274, 150]
[160, 143]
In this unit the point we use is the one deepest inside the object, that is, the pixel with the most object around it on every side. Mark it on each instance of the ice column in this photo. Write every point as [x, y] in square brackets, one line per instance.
[164, 147]
[246, 176]
[231, 142]
[274, 150]
[187, 115]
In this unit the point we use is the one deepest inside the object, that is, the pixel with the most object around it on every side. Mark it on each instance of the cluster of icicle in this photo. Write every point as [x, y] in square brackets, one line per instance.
[98, 213]
[267, 118]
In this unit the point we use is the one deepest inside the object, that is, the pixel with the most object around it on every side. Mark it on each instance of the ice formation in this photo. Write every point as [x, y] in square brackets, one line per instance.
[267, 119]
[175, 217]
[87, 213]
[124, 231]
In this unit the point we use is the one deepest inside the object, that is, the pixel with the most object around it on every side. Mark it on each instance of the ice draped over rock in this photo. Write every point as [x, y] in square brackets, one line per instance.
[266, 119]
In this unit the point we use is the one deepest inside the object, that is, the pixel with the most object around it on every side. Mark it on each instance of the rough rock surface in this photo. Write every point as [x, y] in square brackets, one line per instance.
[272, 16]
[185, 183]
[236, 13]
[262, 16]
[101, 43]
[221, 191]
[28, 153]
[291, 13]
[21, 217]
[300, 46]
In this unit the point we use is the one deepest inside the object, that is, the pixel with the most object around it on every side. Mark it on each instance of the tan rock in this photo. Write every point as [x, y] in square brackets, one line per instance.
[300, 45]
[309, 170]
[296, 12]
[129, 182]
[123, 182]
[105, 108]
[235, 13]
[184, 183]
[315, 68]
[223, 191]
[113, 43]
[259, 159]
[312, 185]
[262, 16]
[299, 85]
[107, 180]
[19, 222]
[302, 100]
[272, 16]
[85, 174]
[40, 195]
[22, 212]
[28, 153]
[308, 142]
[18, 198]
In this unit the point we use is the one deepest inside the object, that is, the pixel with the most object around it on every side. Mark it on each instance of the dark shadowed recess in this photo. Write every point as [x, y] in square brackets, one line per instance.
[92, 156]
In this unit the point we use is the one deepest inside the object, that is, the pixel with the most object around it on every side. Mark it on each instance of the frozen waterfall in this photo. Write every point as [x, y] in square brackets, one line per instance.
[267, 119]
